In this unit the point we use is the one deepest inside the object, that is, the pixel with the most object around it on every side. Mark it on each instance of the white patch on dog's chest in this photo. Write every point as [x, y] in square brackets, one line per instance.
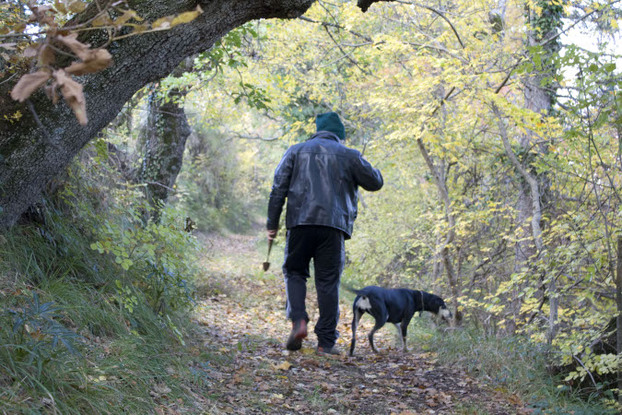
[363, 304]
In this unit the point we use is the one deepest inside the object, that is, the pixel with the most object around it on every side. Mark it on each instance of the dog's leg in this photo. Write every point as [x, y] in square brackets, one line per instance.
[402, 336]
[355, 322]
[404, 332]
[370, 336]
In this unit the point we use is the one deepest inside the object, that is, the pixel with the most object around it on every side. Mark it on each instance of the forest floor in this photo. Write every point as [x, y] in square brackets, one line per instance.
[247, 370]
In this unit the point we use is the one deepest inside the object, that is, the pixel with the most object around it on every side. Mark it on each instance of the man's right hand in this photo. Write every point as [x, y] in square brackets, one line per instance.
[272, 234]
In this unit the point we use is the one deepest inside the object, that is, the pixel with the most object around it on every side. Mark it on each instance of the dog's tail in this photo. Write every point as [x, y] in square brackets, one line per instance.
[351, 289]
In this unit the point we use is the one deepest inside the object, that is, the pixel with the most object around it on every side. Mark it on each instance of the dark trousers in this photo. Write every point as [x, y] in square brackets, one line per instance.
[326, 247]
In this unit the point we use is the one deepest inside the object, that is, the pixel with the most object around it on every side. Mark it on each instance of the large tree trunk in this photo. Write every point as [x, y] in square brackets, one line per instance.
[44, 141]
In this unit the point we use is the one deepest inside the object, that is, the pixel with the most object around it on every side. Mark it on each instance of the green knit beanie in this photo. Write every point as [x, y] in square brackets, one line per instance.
[330, 121]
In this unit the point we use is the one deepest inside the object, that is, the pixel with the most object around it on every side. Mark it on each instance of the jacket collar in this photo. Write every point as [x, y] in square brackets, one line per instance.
[325, 134]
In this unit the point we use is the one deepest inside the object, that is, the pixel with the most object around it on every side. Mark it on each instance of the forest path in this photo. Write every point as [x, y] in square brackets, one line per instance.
[248, 370]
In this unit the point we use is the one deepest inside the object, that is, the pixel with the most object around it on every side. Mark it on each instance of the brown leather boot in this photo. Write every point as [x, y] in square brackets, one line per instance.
[299, 332]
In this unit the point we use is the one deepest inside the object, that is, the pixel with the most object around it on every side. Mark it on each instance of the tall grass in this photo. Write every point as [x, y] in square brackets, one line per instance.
[82, 331]
[510, 365]
[67, 345]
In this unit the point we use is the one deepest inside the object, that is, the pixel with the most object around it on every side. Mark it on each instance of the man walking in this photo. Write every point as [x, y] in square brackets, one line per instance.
[320, 179]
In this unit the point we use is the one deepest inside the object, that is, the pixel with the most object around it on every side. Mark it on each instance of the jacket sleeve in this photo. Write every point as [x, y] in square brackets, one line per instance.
[366, 176]
[280, 187]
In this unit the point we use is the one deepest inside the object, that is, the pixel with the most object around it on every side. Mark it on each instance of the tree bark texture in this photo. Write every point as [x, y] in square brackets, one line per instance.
[165, 137]
[43, 142]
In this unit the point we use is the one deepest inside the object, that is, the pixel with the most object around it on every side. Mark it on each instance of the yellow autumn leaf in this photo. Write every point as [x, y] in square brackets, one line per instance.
[139, 28]
[126, 17]
[283, 366]
[162, 23]
[60, 7]
[102, 20]
[76, 6]
[186, 17]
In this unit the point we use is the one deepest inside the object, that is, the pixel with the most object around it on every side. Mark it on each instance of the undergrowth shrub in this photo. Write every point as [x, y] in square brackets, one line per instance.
[158, 259]
[93, 300]
[510, 364]
[36, 333]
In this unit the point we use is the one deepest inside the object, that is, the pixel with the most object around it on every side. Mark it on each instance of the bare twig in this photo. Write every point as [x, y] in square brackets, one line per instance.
[586, 370]
[439, 13]
[45, 132]
[336, 26]
[345, 54]
[161, 185]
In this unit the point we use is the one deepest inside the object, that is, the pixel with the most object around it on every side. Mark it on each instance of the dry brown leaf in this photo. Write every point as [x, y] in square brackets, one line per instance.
[28, 84]
[30, 52]
[98, 59]
[8, 46]
[47, 55]
[73, 95]
[71, 41]
[52, 93]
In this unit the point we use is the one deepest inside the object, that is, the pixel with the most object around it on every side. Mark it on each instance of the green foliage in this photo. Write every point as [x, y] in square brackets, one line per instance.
[229, 51]
[156, 258]
[513, 365]
[37, 335]
[409, 83]
[90, 332]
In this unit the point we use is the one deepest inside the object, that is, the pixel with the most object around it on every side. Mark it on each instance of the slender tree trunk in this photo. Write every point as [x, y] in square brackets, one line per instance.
[535, 208]
[539, 96]
[165, 138]
[450, 237]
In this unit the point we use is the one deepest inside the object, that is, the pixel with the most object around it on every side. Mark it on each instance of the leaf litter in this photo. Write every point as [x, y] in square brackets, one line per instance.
[243, 329]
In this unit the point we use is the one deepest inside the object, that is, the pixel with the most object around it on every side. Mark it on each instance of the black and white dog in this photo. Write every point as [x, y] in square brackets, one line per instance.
[394, 305]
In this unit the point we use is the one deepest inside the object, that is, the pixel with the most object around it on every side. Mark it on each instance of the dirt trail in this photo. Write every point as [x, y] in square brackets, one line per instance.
[250, 372]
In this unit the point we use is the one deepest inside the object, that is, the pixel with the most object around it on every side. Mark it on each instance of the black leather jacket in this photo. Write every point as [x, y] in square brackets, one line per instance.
[320, 179]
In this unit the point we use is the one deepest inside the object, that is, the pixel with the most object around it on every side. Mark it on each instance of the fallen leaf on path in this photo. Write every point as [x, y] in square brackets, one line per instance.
[284, 366]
